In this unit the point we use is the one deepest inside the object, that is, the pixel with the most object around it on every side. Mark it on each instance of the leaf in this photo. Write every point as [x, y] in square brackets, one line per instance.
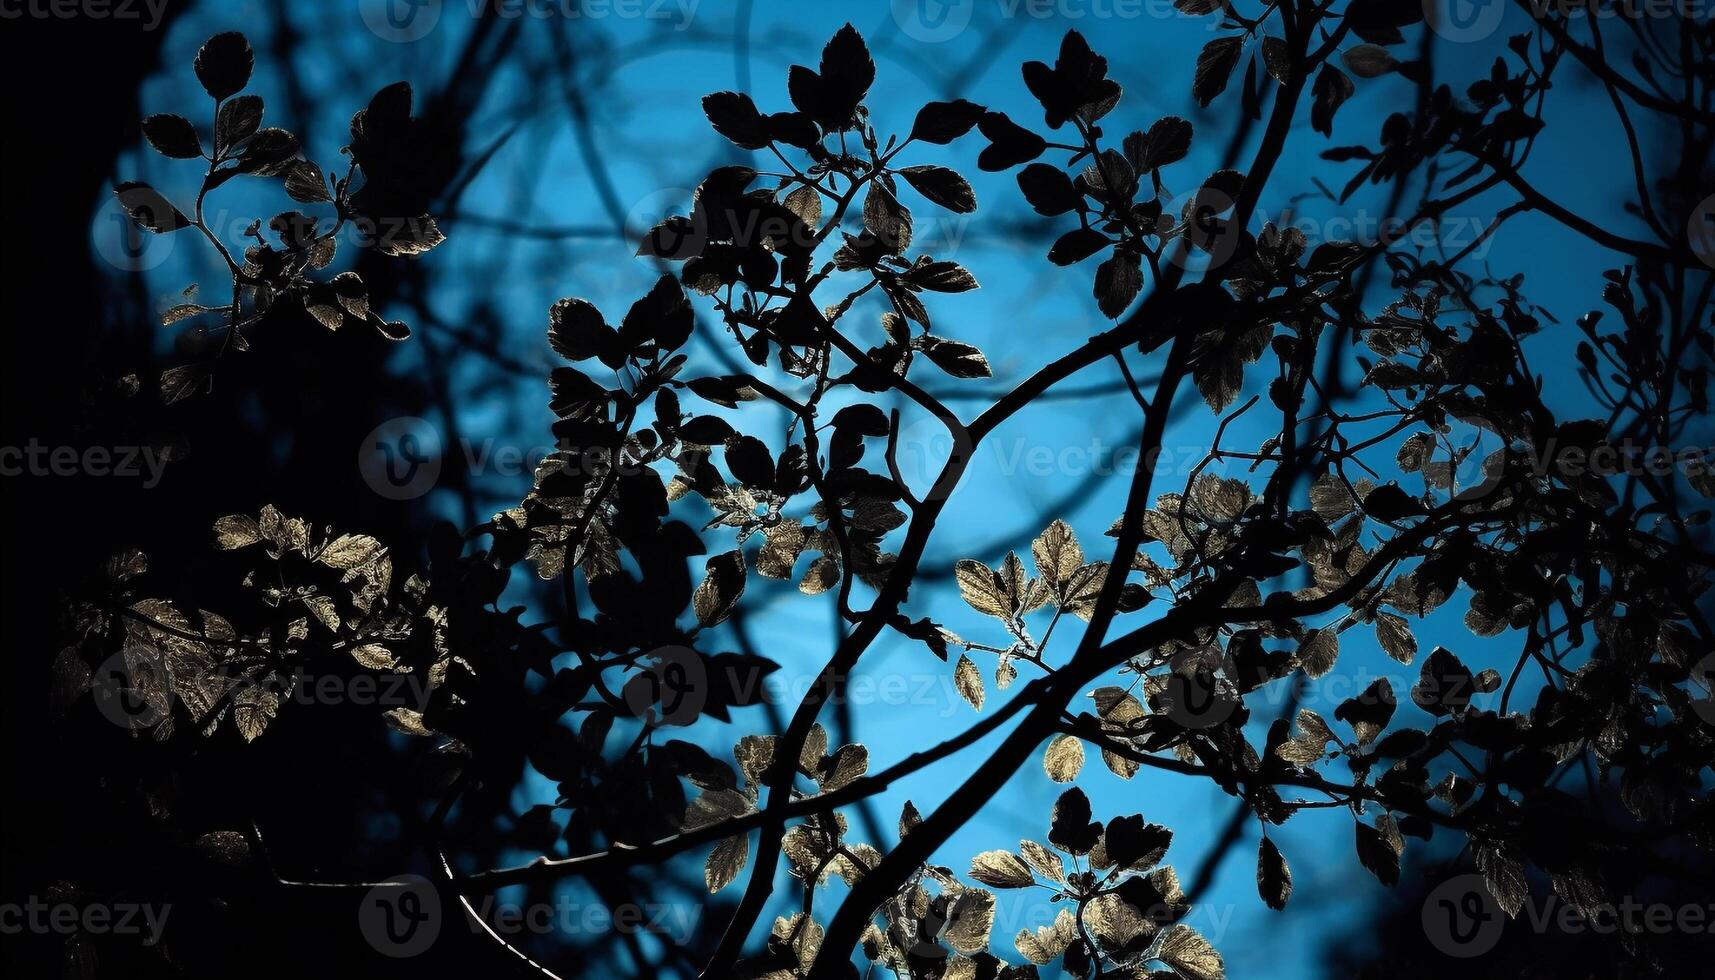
[887, 219]
[968, 680]
[1064, 758]
[1009, 143]
[350, 550]
[172, 136]
[1118, 281]
[750, 462]
[1048, 189]
[272, 152]
[1389, 502]
[577, 331]
[1190, 955]
[1330, 91]
[1306, 747]
[225, 847]
[735, 116]
[1503, 873]
[236, 122]
[806, 203]
[223, 64]
[1273, 877]
[970, 918]
[1048, 942]
[979, 587]
[849, 763]
[847, 66]
[236, 531]
[663, 315]
[1215, 64]
[822, 575]
[1444, 685]
[1001, 869]
[723, 583]
[1070, 827]
[1277, 58]
[1377, 855]
[1368, 60]
[253, 707]
[408, 721]
[942, 186]
[862, 418]
[1077, 245]
[375, 656]
[943, 122]
[958, 359]
[149, 208]
[1415, 452]
[909, 818]
[942, 277]
[306, 184]
[1057, 555]
[1394, 635]
[323, 609]
[179, 383]
[706, 430]
[726, 861]
[1042, 860]
[1318, 652]
[1369, 712]
[1168, 141]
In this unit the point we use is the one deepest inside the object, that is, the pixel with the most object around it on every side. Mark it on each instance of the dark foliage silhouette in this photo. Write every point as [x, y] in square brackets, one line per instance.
[1442, 478]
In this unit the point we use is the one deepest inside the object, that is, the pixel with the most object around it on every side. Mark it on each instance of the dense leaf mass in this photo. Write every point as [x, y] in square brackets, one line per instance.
[674, 496]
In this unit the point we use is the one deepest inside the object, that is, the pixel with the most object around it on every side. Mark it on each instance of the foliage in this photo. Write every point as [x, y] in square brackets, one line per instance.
[1598, 576]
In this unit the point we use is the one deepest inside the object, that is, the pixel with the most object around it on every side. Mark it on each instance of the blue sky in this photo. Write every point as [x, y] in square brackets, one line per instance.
[641, 81]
